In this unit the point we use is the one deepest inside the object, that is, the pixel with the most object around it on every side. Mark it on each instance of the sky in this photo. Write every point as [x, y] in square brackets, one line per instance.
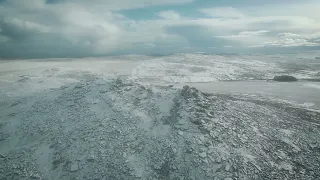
[80, 28]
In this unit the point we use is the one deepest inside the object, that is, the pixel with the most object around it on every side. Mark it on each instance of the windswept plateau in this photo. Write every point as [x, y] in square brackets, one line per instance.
[185, 116]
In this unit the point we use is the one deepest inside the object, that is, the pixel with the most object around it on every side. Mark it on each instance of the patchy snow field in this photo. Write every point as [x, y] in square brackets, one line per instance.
[170, 117]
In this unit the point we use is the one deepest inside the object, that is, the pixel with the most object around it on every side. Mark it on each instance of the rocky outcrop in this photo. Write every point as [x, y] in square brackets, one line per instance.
[285, 78]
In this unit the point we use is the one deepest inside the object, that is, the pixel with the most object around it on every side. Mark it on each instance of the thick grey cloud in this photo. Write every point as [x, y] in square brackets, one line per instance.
[64, 29]
[75, 28]
[36, 29]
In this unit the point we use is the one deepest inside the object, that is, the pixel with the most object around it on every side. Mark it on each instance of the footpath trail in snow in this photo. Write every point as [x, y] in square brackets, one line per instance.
[112, 129]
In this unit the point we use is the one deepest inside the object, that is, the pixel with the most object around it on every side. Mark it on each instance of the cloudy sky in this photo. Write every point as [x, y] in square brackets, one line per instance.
[76, 28]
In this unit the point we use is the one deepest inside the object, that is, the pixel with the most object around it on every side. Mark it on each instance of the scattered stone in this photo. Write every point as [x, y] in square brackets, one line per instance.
[227, 168]
[210, 150]
[189, 150]
[181, 122]
[180, 133]
[204, 149]
[91, 158]
[74, 167]
[174, 150]
[205, 161]
[212, 134]
[312, 145]
[210, 114]
[163, 164]
[285, 166]
[202, 138]
[211, 158]
[203, 154]
[79, 86]
[138, 174]
[196, 121]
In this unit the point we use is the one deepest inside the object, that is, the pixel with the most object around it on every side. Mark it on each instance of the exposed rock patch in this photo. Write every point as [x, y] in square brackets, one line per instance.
[285, 78]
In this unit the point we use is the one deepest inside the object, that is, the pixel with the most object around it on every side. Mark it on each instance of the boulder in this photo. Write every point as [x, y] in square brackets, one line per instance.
[74, 167]
[285, 78]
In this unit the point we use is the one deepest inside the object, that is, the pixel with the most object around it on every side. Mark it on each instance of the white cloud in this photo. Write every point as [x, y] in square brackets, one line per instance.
[247, 34]
[169, 15]
[294, 40]
[223, 12]
[287, 34]
[253, 33]
[124, 4]
[249, 38]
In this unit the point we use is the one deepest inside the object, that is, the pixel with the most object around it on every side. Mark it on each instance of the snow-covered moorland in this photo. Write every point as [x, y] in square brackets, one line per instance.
[140, 117]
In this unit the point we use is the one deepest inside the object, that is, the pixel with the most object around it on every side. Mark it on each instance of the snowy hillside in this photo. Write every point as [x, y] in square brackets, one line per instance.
[144, 117]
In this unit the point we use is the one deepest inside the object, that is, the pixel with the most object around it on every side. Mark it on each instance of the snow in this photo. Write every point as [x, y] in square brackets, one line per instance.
[315, 86]
[202, 68]
[121, 118]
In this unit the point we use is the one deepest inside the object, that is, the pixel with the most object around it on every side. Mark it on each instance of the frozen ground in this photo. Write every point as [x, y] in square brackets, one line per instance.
[134, 117]
[188, 68]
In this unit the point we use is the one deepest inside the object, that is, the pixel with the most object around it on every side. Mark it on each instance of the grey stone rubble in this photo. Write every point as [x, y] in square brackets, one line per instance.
[111, 129]
[74, 167]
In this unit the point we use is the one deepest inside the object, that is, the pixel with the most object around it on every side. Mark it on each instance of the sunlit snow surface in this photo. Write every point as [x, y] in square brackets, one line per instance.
[133, 117]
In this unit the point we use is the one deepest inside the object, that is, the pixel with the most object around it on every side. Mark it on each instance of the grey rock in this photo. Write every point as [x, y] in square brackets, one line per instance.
[227, 168]
[180, 133]
[91, 158]
[203, 154]
[74, 167]
[174, 150]
[181, 122]
[202, 138]
[285, 78]
[210, 114]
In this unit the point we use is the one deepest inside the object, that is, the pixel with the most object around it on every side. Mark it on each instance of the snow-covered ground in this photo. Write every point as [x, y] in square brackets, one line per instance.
[134, 117]
[187, 68]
